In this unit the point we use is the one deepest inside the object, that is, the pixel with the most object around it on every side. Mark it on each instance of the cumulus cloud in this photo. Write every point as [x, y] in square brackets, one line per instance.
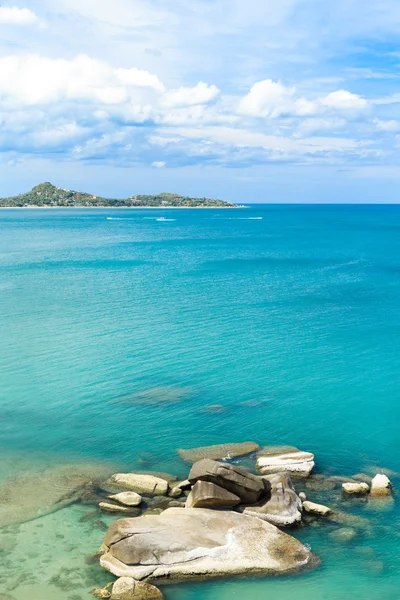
[32, 80]
[13, 15]
[202, 93]
[270, 98]
[267, 98]
[343, 100]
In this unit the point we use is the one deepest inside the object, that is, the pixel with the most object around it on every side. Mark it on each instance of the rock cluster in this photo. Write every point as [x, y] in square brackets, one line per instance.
[223, 520]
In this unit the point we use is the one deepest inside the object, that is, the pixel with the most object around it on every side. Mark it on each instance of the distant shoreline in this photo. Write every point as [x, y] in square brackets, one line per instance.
[122, 207]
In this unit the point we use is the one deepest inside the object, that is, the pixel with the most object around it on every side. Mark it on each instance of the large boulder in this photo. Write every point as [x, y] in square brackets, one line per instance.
[381, 485]
[126, 588]
[279, 459]
[141, 484]
[218, 451]
[281, 505]
[191, 543]
[208, 495]
[248, 487]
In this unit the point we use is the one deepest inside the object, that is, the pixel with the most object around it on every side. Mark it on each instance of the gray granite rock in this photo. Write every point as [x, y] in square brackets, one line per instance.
[208, 495]
[281, 506]
[248, 487]
[218, 451]
[192, 543]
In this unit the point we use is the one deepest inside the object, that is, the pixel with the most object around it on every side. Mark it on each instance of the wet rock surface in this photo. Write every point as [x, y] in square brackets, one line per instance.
[218, 451]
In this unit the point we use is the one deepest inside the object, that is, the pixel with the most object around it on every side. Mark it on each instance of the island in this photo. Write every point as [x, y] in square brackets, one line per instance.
[47, 195]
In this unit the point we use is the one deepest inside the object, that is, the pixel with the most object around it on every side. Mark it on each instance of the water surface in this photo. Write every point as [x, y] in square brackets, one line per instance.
[287, 316]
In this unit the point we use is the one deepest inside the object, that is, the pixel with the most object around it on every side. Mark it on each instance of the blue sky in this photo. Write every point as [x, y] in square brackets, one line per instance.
[246, 100]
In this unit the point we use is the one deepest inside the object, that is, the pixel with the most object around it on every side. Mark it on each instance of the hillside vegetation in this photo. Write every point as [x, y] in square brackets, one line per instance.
[48, 195]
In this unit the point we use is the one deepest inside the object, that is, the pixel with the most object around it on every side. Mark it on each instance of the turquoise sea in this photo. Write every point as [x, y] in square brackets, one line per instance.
[288, 317]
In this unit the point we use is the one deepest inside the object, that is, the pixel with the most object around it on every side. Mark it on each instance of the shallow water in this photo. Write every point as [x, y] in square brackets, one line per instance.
[289, 321]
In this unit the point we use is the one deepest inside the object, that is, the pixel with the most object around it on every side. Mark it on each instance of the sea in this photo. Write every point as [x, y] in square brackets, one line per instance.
[126, 334]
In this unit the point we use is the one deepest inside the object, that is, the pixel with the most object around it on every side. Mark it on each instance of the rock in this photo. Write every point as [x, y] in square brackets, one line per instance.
[302, 496]
[215, 408]
[175, 492]
[126, 588]
[362, 477]
[360, 488]
[248, 487]
[167, 476]
[345, 535]
[364, 550]
[320, 484]
[141, 484]
[191, 543]
[118, 508]
[176, 504]
[208, 495]
[381, 485]
[127, 498]
[349, 520]
[276, 459]
[316, 509]
[99, 593]
[339, 479]
[281, 505]
[27, 497]
[218, 452]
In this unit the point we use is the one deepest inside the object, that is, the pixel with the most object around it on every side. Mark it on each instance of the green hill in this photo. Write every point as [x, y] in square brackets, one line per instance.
[48, 195]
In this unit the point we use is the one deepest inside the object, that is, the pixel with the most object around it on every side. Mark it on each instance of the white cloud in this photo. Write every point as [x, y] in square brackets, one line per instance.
[13, 15]
[33, 80]
[343, 100]
[139, 78]
[202, 93]
[391, 126]
[267, 98]
[159, 164]
[278, 146]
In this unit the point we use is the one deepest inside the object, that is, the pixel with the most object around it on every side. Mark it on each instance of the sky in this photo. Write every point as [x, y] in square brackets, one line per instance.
[244, 100]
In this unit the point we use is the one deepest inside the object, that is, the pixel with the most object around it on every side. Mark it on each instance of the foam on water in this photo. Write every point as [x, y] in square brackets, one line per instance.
[290, 328]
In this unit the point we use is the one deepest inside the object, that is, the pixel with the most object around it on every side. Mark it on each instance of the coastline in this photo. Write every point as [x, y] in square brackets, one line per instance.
[125, 207]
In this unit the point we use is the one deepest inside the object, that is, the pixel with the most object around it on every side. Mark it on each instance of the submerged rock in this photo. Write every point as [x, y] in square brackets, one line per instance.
[192, 543]
[27, 497]
[127, 498]
[126, 588]
[316, 509]
[118, 508]
[345, 535]
[278, 459]
[360, 488]
[218, 452]
[208, 495]
[347, 519]
[248, 487]
[381, 485]
[281, 505]
[167, 394]
[99, 593]
[141, 484]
